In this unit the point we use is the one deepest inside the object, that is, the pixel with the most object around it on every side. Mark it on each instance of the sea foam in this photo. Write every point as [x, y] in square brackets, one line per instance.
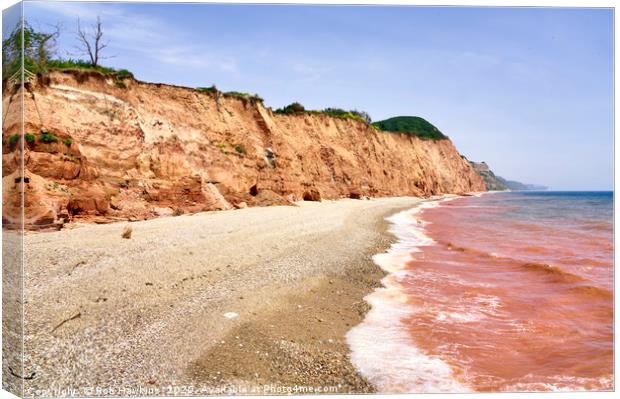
[381, 348]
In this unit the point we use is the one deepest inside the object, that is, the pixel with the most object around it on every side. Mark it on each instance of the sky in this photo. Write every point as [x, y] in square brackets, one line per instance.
[528, 90]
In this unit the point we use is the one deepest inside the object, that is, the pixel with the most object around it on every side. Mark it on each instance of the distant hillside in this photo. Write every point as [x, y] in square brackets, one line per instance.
[518, 186]
[413, 125]
[491, 181]
[498, 183]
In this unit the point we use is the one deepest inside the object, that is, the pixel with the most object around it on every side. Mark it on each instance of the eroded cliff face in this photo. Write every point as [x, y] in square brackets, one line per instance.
[139, 150]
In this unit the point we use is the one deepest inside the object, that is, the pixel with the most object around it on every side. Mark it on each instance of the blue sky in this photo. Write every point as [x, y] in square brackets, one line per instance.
[528, 90]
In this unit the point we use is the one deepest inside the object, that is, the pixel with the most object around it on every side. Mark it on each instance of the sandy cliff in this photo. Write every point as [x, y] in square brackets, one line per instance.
[138, 150]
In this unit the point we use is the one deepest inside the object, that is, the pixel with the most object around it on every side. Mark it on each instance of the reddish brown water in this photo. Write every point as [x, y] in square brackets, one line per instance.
[516, 292]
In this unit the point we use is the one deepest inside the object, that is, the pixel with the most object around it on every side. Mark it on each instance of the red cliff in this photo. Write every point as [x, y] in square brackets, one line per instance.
[103, 151]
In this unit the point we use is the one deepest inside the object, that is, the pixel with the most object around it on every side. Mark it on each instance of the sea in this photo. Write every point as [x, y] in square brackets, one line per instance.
[509, 291]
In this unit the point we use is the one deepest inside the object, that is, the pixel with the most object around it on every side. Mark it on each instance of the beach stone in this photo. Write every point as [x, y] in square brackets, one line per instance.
[127, 232]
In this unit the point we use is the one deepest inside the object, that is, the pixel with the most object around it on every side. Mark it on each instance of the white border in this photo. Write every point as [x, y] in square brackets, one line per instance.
[482, 3]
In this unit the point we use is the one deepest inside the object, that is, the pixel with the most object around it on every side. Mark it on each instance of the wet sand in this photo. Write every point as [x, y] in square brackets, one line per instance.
[253, 301]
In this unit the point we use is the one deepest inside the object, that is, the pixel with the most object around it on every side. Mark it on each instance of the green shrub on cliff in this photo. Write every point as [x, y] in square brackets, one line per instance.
[293, 108]
[352, 114]
[13, 139]
[47, 137]
[123, 74]
[68, 141]
[236, 94]
[412, 125]
[29, 137]
[243, 95]
[211, 89]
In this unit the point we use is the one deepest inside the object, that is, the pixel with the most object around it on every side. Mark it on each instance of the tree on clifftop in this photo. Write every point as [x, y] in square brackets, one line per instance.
[38, 48]
[91, 43]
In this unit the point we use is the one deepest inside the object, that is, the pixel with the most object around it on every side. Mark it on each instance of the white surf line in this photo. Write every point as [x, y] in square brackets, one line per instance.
[381, 348]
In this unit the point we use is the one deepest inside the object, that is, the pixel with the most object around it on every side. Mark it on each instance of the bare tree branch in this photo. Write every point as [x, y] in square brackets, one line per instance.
[92, 43]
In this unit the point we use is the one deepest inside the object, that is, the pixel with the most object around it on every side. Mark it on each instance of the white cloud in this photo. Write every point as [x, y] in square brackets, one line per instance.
[312, 72]
[143, 34]
[192, 57]
[85, 11]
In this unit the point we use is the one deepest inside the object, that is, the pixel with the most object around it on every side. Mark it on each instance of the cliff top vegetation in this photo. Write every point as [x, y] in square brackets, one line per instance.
[40, 57]
[413, 125]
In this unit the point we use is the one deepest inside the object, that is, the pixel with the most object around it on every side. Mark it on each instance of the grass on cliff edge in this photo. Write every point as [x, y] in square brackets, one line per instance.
[80, 64]
[297, 108]
[412, 125]
[236, 94]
